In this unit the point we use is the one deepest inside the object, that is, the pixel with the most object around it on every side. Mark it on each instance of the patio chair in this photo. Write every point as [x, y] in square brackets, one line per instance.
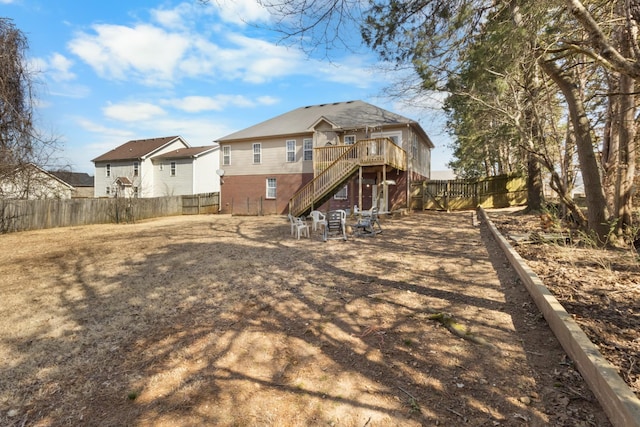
[318, 219]
[336, 227]
[368, 224]
[299, 226]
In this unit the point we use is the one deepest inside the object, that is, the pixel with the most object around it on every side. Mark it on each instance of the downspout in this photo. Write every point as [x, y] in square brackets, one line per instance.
[193, 177]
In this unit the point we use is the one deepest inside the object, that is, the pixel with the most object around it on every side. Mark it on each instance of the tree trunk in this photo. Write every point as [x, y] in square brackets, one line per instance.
[534, 184]
[619, 143]
[596, 203]
[623, 207]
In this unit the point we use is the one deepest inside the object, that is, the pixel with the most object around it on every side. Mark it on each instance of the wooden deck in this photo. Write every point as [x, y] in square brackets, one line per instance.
[334, 165]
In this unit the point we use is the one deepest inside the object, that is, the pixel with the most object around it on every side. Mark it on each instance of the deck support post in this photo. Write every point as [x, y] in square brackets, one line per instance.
[360, 188]
[385, 189]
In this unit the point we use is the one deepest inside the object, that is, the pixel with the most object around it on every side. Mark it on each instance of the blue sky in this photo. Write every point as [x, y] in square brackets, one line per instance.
[111, 71]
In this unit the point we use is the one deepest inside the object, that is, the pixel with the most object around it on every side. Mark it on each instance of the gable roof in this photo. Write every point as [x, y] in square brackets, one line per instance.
[190, 152]
[29, 169]
[340, 115]
[124, 181]
[76, 179]
[137, 149]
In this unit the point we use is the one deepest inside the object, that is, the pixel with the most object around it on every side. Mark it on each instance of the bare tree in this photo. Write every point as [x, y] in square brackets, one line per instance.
[21, 144]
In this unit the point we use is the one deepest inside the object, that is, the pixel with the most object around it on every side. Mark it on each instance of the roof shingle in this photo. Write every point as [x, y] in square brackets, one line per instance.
[342, 115]
[135, 149]
[182, 153]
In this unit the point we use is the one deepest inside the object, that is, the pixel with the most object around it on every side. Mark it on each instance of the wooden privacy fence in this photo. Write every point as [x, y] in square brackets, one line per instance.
[206, 203]
[460, 194]
[22, 215]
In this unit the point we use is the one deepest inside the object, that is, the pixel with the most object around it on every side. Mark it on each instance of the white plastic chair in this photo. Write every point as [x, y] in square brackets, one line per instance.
[292, 221]
[318, 219]
[299, 226]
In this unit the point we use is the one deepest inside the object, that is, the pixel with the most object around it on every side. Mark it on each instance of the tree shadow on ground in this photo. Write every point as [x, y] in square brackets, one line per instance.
[231, 321]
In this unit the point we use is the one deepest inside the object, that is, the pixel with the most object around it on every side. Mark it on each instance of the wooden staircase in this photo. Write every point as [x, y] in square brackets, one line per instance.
[334, 166]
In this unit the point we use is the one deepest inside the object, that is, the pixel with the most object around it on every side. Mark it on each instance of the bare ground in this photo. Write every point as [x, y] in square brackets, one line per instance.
[600, 288]
[219, 320]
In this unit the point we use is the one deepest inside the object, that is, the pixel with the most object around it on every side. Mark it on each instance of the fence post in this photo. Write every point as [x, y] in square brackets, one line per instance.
[476, 193]
[447, 193]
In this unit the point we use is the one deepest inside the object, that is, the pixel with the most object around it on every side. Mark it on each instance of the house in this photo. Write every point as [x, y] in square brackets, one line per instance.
[157, 167]
[81, 182]
[30, 182]
[328, 156]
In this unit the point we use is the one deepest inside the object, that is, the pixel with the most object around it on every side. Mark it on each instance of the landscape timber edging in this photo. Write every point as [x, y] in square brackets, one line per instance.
[616, 397]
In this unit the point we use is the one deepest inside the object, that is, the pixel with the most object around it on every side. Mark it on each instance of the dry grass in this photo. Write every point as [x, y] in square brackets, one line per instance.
[219, 320]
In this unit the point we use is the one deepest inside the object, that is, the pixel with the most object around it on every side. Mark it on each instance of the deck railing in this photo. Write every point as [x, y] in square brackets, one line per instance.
[370, 152]
[333, 165]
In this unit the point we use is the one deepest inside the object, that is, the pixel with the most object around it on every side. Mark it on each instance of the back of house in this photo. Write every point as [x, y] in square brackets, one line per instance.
[328, 156]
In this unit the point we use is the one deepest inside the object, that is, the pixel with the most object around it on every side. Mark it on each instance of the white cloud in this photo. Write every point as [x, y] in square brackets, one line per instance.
[145, 52]
[100, 129]
[133, 111]
[242, 11]
[193, 104]
[167, 54]
[205, 103]
[176, 18]
[57, 67]
[60, 68]
[267, 100]
[258, 61]
[55, 72]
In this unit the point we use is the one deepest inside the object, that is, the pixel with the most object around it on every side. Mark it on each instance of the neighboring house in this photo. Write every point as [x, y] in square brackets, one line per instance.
[157, 167]
[31, 182]
[328, 156]
[80, 181]
[443, 175]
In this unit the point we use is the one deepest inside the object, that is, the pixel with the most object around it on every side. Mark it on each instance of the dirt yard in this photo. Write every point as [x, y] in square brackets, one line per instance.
[600, 288]
[229, 321]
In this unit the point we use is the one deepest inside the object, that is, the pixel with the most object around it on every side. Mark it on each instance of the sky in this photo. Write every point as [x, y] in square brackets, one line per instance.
[108, 72]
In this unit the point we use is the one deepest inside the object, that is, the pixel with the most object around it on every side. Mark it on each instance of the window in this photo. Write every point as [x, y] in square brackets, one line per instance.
[291, 150]
[257, 153]
[136, 168]
[271, 188]
[161, 166]
[307, 148]
[396, 137]
[135, 192]
[414, 147]
[342, 194]
[349, 139]
[107, 191]
[108, 169]
[173, 168]
[226, 154]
